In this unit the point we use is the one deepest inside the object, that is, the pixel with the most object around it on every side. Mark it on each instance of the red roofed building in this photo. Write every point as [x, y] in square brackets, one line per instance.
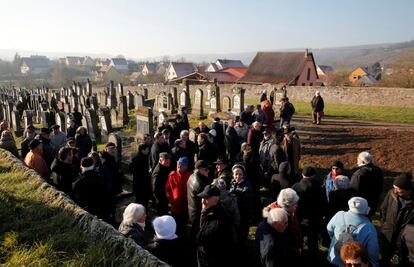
[290, 68]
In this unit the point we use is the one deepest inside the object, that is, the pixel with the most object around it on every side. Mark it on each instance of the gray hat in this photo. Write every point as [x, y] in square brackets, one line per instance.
[358, 205]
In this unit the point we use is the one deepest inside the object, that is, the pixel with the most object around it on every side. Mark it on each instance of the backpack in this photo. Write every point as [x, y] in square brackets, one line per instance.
[344, 237]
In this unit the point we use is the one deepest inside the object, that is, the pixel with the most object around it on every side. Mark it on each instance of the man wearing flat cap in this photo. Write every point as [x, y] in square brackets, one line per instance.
[159, 179]
[214, 237]
[57, 138]
[48, 152]
[397, 211]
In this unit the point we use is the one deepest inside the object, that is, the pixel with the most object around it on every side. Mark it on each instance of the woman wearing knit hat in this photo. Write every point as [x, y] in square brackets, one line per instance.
[356, 223]
[397, 210]
[166, 245]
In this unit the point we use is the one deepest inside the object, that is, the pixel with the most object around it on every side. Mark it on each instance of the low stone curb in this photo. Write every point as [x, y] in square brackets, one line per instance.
[130, 253]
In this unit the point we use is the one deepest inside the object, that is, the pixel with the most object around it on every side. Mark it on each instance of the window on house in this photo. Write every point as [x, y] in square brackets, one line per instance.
[308, 74]
[310, 84]
[303, 84]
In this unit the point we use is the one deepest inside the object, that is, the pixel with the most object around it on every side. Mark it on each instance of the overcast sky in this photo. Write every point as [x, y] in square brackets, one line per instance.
[137, 28]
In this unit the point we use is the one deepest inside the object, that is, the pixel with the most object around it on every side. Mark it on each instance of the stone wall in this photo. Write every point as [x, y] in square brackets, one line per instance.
[395, 97]
[131, 253]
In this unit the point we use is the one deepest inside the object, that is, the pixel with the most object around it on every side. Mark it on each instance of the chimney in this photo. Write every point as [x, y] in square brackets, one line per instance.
[306, 52]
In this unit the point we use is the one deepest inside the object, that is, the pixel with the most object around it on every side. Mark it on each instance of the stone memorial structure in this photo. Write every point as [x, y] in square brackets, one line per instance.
[145, 124]
[238, 100]
[198, 108]
[92, 123]
[226, 104]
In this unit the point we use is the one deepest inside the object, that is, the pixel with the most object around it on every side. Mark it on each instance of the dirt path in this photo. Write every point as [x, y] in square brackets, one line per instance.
[391, 144]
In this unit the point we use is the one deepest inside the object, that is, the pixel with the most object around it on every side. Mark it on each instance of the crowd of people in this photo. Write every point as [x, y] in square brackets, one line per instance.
[207, 194]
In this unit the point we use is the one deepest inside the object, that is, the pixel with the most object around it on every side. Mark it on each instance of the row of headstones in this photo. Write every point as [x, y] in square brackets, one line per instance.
[168, 102]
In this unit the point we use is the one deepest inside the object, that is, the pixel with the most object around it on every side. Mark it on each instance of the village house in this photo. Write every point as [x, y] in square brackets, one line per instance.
[88, 62]
[358, 73]
[108, 73]
[35, 65]
[289, 68]
[323, 73]
[73, 61]
[149, 68]
[120, 64]
[175, 70]
[100, 62]
[223, 64]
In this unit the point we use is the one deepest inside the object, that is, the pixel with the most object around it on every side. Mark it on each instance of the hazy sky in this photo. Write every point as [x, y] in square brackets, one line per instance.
[137, 28]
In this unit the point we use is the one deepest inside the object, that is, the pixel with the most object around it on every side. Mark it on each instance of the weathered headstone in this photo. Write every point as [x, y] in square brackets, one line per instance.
[60, 120]
[198, 108]
[130, 100]
[88, 88]
[28, 118]
[45, 119]
[146, 93]
[114, 118]
[213, 104]
[217, 95]
[16, 123]
[162, 116]
[139, 100]
[120, 90]
[94, 101]
[145, 125]
[112, 103]
[105, 119]
[92, 123]
[123, 111]
[185, 99]
[226, 104]
[238, 100]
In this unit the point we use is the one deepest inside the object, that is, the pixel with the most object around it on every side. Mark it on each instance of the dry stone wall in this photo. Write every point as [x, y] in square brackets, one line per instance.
[378, 96]
[130, 252]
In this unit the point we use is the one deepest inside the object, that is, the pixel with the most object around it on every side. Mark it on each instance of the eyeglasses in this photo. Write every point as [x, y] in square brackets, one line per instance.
[353, 264]
[335, 168]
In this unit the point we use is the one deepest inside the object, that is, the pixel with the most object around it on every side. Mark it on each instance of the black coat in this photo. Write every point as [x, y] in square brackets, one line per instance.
[91, 193]
[254, 138]
[115, 175]
[48, 152]
[394, 216]
[317, 104]
[247, 117]
[158, 180]
[244, 193]
[214, 238]
[170, 251]
[135, 232]
[271, 246]
[64, 174]
[84, 145]
[407, 245]
[312, 200]
[232, 143]
[195, 185]
[156, 149]
[367, 182]
[71, 132]
[141, 182]
[338, 200]
[277, 155]
[25, 147]
[207, 152]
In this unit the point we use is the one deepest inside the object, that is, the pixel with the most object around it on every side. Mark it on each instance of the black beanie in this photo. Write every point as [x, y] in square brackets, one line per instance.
[404, 181]
[87, 162]
[338, 164]
[308, 172]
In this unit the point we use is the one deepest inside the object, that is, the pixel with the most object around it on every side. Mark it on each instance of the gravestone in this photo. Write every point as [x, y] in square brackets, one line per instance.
[130, 100]
[174, 95]
[16, 123]
[163, 103]
[217, 95]
[114, 117]
[92, 123]
[102, 98]
[185, 99]
[88, 88]
[226, 104]
[60, 120]
[238, 100]
[105, 119]
[67, 108]
[114, 138]
[213, 104]
[94, 102]
[161, 117]
[144, 117]
[123, 111]
[112, 103]
[120, 90]
[146, 93]
[45, 119]
[28, 118]
[139, 100]
[208, 88]
[198, 108]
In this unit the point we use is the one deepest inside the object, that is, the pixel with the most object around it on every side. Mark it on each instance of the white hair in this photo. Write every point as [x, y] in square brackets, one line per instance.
[133, 213]
[341, 182]
[287, 198]
[277, 215]
[184, 132]
[256, 123]
[317, 93]
[364, 158]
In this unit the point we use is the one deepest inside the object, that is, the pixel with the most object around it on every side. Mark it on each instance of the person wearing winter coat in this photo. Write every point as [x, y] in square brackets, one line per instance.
[271, 241]
[30, 135]
[242, 130]
[277, 155]
[133, 224]
[7, 142]
[397, 211]
[83, 142]
[281, 180]
[337, 168]
[231, 141]
[141, 178]
[264, 149]
[286, 111]
[358, 224]
[159, 180]
[312, 206]
[206, 150]
[255, 136]
[63, 171]
[367, 181]
[407, 246]
[34, 159]
[91, 192]
[291, 145]
[176, 192]
[223, 171]
[215, 236]
[157, 148]
[48, 152]
[219, 138]
[244, 193]
[288, 200]
[339, 197]
[110, 163]
[317, 108]
[270, 114]
[57, 138]
[166, 245]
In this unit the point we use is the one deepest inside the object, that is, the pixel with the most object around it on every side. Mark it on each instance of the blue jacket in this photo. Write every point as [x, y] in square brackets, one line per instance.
[363, 232]
[328, 184]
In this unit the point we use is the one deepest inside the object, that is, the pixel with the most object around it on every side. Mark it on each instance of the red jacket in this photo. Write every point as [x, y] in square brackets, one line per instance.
[176, 191]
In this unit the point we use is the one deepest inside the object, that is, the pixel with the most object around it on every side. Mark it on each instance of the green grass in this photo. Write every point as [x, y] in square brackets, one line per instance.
[373, 113]
[35, 234]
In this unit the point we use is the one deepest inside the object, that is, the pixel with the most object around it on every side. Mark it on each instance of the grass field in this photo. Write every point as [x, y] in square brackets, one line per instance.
[34, 234]
[370, 113]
